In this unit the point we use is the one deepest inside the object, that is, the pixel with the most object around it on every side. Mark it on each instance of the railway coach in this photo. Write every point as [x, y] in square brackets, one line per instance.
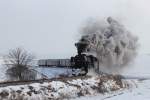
[54, 62]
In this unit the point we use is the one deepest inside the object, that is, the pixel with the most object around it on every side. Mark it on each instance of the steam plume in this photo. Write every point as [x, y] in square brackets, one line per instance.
[110, 42]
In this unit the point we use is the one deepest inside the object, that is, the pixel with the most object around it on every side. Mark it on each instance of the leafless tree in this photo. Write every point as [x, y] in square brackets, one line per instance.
[18, 57]
[18, 61]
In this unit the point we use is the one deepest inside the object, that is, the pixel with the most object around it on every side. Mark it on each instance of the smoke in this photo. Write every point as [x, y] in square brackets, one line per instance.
[110, 42]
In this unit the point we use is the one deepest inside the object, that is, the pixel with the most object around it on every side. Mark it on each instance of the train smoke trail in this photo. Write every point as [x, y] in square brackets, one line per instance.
[110, 42]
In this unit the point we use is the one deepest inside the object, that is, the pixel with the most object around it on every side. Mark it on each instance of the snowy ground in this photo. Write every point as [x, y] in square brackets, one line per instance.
[140, 89]
[141, 92]
[53, 71]
[61, 89]
[3, 69]
[42, 72]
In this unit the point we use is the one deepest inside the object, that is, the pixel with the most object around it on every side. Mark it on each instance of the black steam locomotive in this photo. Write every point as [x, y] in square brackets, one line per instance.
[81, 63]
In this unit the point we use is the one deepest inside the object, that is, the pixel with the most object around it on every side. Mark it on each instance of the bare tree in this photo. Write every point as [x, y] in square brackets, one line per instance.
[18, 61]
[19, 57]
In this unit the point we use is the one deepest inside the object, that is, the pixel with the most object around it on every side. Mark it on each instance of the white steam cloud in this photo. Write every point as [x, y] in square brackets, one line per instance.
[110, 42]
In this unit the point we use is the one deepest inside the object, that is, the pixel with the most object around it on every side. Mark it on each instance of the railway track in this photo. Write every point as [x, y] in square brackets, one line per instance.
[27, 82]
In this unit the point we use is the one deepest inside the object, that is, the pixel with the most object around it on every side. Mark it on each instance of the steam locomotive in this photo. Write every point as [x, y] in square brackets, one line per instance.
[80, 63]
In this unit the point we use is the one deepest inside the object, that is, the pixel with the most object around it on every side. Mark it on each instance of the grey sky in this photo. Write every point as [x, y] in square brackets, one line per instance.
[49, 28]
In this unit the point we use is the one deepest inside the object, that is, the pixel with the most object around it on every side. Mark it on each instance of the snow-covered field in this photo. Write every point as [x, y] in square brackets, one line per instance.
[61, 89]
[139, 91]
[3, 69]
[53, 71]
[42, 72]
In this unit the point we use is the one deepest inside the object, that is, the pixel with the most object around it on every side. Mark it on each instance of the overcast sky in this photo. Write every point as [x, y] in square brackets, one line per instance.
[49, 28]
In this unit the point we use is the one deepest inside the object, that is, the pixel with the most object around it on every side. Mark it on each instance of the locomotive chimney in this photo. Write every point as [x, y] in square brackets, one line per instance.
[81, 46]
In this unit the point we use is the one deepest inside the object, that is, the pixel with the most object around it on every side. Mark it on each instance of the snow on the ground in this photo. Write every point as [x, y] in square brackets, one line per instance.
[49, 72]
[52, 72]
[140, 91]
[58, 90]
[140, 68]
[141, 88]
[3, 76]
[3, 69]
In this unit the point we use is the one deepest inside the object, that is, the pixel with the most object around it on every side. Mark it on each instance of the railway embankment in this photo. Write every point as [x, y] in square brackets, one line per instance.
[60, 88]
